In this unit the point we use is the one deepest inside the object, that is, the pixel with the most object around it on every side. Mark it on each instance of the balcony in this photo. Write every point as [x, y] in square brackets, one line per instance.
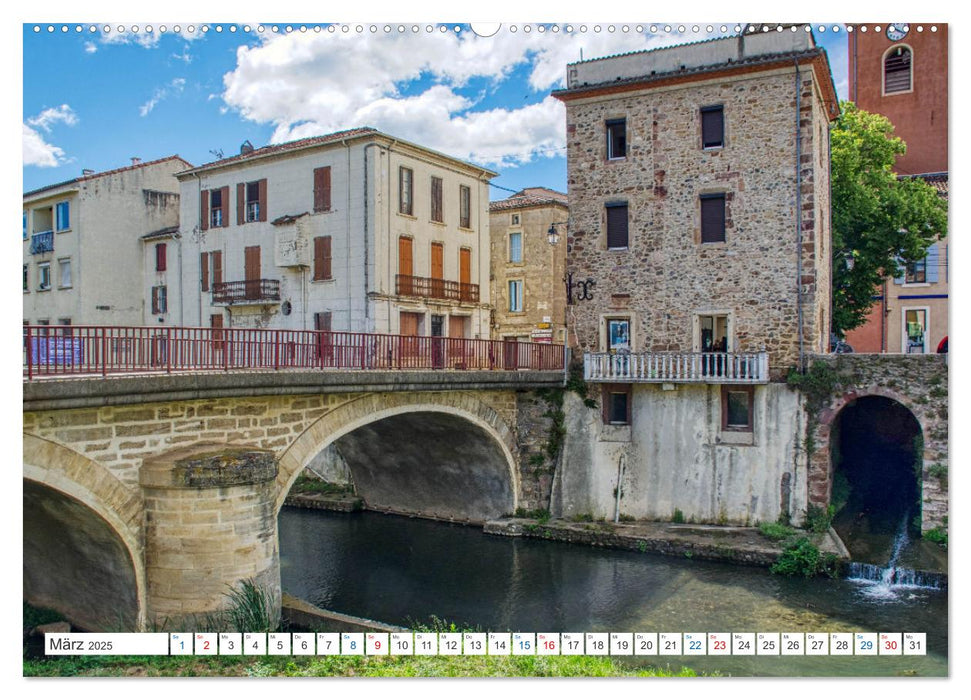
[429, 288]
[245, 292]
[677, 367]
[42, 242]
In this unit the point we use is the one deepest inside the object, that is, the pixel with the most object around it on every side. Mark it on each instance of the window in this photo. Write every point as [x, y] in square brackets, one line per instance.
[322, 267]
[159, 300]
[713, 218]
[616, 225]
[63, 216]
[515, 296]
[65, 271]
[915, 330]
[160, 257]
[437, 200]
[916, 272]
[65, 327]
[25, 279]
[516, 247]
[616, 139]
[322, 189]
[616, 404]
[252, 202]
[712, 127]
[465, 207]
[737, 405]
[43, 276]
[25, 226]
[514, 221]
[216, 209]
[618, 335]
[897, 70]
[405, 182]
[713, 333]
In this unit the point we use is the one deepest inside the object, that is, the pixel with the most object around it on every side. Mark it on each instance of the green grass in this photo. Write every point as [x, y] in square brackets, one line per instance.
[346, 666]
[776, 531]
[306, 484]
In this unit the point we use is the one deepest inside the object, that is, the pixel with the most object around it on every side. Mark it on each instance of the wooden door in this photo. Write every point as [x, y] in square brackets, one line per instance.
[252, 271]
[325, 345]
[405, 267]
[410, 347]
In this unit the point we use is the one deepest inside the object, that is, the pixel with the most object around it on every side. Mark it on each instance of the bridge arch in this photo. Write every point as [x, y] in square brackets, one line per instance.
[484, 424]
[94, 522]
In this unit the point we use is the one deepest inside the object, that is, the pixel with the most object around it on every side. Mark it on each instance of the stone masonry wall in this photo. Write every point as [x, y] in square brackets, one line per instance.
[667, 277]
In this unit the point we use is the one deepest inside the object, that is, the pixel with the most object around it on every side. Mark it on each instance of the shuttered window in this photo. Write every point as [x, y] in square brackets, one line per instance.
[437, 200]
[617, 225]
[322, 266]
[218, 204]
[465, 207]
[204, 266]
[322, 189]
[712, 127]
[438, 261]
[160, 257]
[204, 205]
[405, 190]
[159, 300]
[712, 218]
[217, 266]
[896, 71]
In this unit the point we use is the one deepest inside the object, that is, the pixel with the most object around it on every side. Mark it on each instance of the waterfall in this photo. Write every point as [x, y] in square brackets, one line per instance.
[884, 579]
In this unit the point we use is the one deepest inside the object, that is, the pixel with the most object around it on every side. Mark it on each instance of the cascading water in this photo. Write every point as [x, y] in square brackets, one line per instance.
[882, 581]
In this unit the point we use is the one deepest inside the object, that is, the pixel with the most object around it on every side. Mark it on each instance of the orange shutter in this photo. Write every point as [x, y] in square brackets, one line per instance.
[405, 266]
[438, 261]
[465, 266]
[205, 209]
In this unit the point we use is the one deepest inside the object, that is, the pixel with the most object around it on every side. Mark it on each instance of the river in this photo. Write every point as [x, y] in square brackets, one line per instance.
[405, 570]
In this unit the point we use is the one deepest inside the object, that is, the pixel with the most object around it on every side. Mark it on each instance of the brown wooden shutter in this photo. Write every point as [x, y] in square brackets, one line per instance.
[712, 218]
[204, 265]
[437, 199]
[405, 266]
[252, 262]
[322, 189]
[217, 267]
[712, 127]
[465, 207]
[155, 300]
[617, 226]
[240, 203]
[465, 266]
[262, 186]
[408, 324]
[205, 209]
[322, 258]
[225, 205]
[438, 261]
[322, 321]
[160, 257]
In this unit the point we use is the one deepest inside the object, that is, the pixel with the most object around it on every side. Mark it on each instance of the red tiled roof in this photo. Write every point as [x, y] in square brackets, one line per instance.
[288, 146]
[936, 180]
[529, 197]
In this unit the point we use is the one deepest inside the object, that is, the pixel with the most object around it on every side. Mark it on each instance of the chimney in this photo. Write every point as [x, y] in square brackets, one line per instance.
[136, 160]
[86, 172]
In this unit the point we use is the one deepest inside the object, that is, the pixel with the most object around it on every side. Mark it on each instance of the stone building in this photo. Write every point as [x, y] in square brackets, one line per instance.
[699, 205]
[901, 73]
[528, 273]
[352, 231]
[82, 244]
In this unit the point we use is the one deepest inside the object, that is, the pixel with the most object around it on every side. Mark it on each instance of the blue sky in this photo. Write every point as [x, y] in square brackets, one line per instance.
[96, 99]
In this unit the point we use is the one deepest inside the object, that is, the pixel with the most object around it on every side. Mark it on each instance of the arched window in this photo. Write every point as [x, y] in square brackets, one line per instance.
[897, 70]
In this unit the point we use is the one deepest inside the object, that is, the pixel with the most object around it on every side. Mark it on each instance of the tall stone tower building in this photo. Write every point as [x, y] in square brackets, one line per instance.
[698, 183]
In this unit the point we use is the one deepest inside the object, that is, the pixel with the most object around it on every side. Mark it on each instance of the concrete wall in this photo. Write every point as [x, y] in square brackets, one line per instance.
[676, 457]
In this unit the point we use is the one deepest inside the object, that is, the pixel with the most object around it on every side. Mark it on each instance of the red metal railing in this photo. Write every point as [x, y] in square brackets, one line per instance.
[245, 291]
[102, 350]
[431, 288]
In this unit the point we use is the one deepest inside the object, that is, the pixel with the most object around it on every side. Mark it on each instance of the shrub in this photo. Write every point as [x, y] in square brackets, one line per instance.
[819, 519]
[678, 516]
[802, 558]
[776, 531]
[250, 608]
[937, 535]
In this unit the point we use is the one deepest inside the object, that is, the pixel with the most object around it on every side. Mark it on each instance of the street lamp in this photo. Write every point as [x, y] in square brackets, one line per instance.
[553, 236]
[584, 289]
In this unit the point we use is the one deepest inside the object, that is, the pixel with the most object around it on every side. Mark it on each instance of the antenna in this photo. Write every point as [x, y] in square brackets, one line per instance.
[218, 152]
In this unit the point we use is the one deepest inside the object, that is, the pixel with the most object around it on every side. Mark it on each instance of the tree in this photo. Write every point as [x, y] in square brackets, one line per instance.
[879, 220]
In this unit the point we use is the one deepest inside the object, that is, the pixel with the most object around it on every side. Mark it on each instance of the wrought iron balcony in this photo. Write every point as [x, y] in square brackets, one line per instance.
[42, 242]
[677, 367]
[246, 292]
[429, 288]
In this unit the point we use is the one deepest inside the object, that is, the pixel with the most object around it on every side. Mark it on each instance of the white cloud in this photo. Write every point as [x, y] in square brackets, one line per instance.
[53, 115]
[307, 84]
[90, 47]
[173, 88]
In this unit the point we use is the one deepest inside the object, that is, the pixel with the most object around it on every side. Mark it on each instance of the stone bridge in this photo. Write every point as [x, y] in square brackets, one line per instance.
[147, 497]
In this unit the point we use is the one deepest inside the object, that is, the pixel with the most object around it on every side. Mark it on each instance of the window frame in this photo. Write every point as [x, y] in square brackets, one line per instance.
[512, 260]
[60, 274]
[519, 297]
[214, 220]
[916, 272]
[436, 200]
[465, 207]
[57, 216]
[749, 391]
[712, 109]
[883, 71]
[160, 300]
[161, 257]
[251, 214]
[41, 267]
[406, 191]
[609, 391]
[513, 220]
[712, 196]
[617, 205]
[609, 126]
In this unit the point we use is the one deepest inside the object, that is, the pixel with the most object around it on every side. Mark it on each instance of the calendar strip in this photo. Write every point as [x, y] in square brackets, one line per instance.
[771, 644]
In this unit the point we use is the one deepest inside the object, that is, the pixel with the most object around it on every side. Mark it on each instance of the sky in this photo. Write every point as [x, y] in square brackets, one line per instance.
[95, 99]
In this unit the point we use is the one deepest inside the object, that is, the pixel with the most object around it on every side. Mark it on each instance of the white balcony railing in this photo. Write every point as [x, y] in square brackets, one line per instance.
[682, 367]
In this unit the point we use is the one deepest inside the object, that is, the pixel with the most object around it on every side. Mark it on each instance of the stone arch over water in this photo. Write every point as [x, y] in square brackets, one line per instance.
[446, 455]
[83, 546]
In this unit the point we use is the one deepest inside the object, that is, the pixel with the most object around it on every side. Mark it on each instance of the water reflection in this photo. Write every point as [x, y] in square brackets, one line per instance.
[402, 571]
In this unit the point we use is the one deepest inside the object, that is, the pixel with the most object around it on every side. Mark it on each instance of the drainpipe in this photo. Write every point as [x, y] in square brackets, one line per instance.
[198, 200]
[347, 228]
[622, 460]
[366, 212]
[802, 361]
